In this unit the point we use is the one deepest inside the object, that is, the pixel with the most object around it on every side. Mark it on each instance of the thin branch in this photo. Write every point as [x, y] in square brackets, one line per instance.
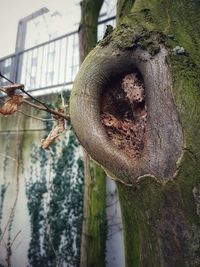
[30, 116]
[47, 110]
[2, 90]
[33, 105]
[8, 222]
[1, 75]
[44, 107]
[15, 237]
[35, 99]
[17, 183]
[37, 118]
[21, 87]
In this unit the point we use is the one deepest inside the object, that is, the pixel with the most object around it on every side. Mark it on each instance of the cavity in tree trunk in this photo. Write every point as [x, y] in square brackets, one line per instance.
[139, 93]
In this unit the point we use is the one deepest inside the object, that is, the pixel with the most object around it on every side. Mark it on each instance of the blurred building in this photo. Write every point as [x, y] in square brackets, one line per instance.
[48, 57]
[40, 191]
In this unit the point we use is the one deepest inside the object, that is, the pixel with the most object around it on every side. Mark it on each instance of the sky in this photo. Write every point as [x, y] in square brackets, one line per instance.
[11, 11]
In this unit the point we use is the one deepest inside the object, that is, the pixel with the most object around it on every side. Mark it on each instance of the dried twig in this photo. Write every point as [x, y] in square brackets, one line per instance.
[36, 118]
[52, 111]
[44, 107]
[15, 237]
[15, 100]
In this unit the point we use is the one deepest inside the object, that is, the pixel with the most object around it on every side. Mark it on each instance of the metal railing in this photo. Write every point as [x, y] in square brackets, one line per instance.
[50, 65]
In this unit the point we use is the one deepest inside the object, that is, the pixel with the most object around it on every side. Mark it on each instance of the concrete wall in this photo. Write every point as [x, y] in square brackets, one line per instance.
[35, 194]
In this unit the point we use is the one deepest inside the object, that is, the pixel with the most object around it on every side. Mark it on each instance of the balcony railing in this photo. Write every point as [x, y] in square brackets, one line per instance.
[49, 66]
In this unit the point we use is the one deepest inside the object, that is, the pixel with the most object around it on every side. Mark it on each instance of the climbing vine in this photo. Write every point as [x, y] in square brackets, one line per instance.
[55, 203]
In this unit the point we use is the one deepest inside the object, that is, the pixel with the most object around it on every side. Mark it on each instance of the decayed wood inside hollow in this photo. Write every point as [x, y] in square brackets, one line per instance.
[124, 113]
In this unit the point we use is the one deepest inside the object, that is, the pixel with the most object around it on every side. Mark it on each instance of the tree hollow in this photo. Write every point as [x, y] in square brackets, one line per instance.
[94, 99]
[124, 113]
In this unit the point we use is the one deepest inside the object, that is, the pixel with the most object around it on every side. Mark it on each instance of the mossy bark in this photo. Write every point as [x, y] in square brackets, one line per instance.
[161, 221]
[160, 200]
[94, 224]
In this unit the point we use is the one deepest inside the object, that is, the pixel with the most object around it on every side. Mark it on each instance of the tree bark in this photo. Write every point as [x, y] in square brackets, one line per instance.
[88, 26]
[93, 240]
[159, 191]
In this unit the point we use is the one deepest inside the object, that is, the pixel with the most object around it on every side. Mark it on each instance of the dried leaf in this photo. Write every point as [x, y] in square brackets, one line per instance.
[11, 105]
[55, 132]
[11, 89]
[53, 135]
[126, 133]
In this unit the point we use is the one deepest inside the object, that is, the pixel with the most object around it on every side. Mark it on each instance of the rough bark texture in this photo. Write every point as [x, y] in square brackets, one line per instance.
[160, 207]
[93, 230]
[159, 159]
[88, 26]
[94, 221]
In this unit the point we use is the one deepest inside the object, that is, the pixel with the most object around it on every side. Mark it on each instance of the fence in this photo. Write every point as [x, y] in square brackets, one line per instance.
[48, 66]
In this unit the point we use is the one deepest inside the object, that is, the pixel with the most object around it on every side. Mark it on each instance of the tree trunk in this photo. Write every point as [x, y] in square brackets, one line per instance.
[159, 179]
[93, 240]
[88, 26]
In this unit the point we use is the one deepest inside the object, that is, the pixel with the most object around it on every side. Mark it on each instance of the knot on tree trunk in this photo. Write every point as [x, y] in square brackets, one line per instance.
[123, 113]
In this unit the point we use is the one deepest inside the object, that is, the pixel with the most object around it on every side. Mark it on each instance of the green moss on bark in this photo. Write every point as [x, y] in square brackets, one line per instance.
[139, 211]
[97, 217]
[160, 219]
[150, 209]
[94, 224]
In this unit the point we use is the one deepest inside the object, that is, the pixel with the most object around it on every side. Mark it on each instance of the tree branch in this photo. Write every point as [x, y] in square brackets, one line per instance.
[44, 107]
[36, 118]
[54, 112]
